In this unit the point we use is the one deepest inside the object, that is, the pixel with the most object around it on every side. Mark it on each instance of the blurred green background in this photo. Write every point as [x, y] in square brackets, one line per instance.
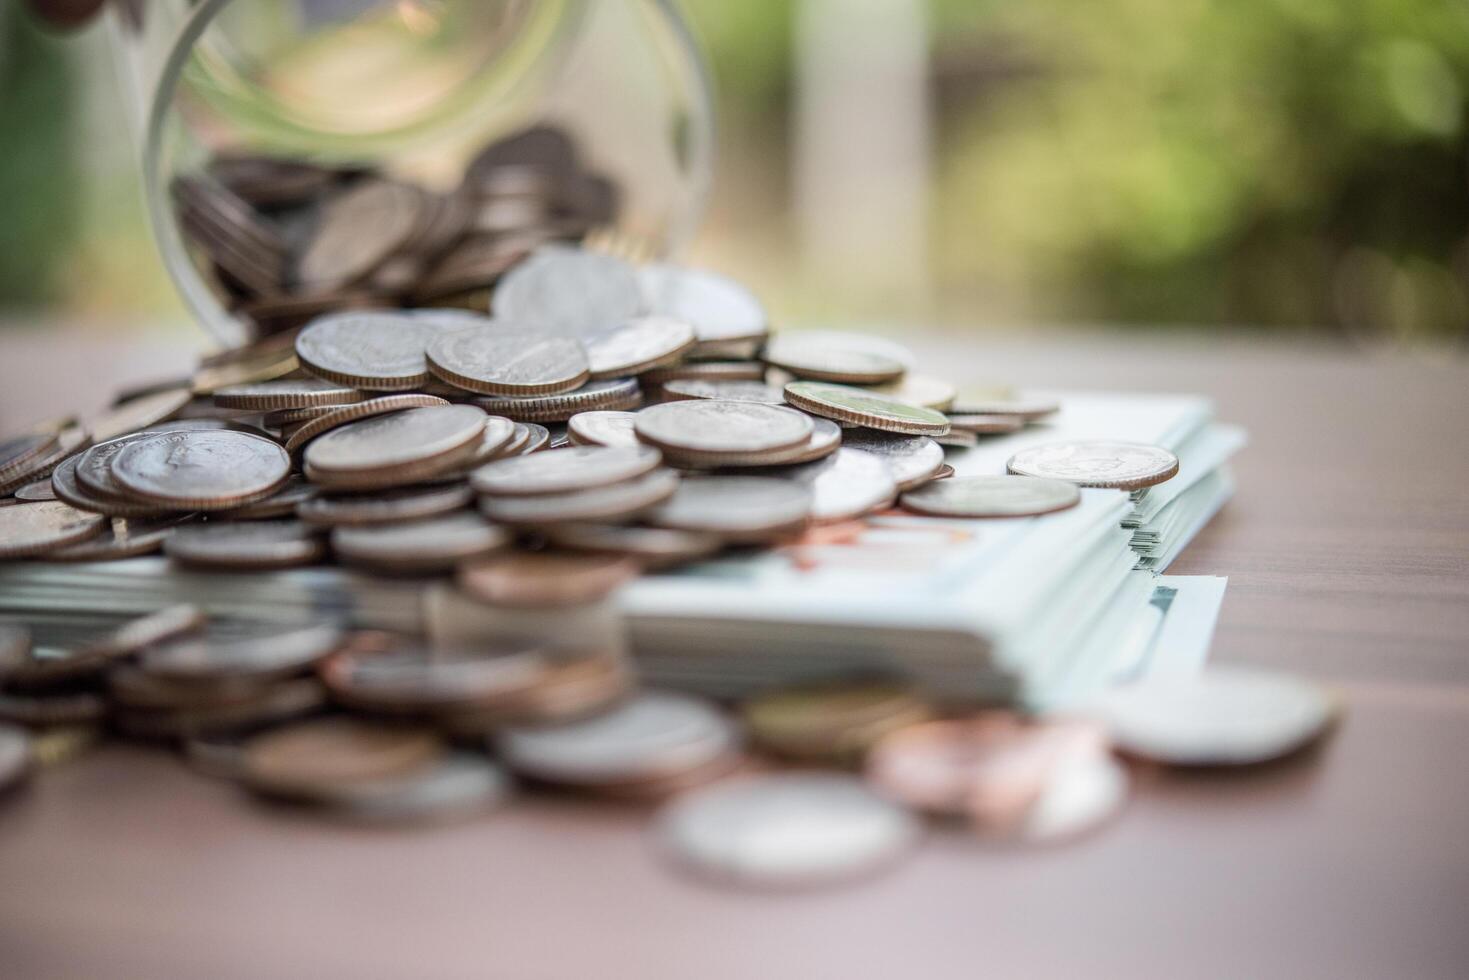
[1283, 165]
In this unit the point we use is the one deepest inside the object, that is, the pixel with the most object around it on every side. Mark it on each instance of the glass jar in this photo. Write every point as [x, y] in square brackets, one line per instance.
[300, 156]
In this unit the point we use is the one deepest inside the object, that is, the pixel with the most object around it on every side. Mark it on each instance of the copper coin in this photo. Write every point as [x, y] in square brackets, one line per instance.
[576, 468]
[992, 496]
[329, 753]
[433, 544]
[201, 470]
[388, 507]
[545, 579]
[603, 429]
[496, 360]
[639, 345]
[336, 417]
[847, 404]
[718, 307]
[1113, 465]
[278, 654]
[375, 351]
[35, 528]
[737, 508]
[285, 393]
[709, 426]
[246, 545]
[992, 767]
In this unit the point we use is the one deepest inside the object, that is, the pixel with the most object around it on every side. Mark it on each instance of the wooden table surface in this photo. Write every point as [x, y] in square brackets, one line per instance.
[1347, 549]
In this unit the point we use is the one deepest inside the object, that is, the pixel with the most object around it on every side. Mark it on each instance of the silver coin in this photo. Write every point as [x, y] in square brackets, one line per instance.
[1220, 716]
[603, 429]
[245, 545]
[787, 829]
[847, 484]
[124, 539]
[35, 528]
[987, 425]
[912, 459]
[828, 360]
[285, 393]
[738, 508]
[654, 547]
[460, 784]
[569, 291]
[538, 437]
[639, 345]
[294, 492]
[921, 390]
[712, 426]
[399, 439]
[37, 491]
[93, 472]
[653, 735]
[1113, 465]
[16, 756]
[606, 395]
[1025, 409]
[201, 469]
[826, 438]
[730, 391]
[376, 351]
[619, 501]
[388, 507]
[68, 490]
[992, 496]
[1083, 792]
[275, 654]
[501, 361]
[718, 307]
[429, 545]
[573, 468]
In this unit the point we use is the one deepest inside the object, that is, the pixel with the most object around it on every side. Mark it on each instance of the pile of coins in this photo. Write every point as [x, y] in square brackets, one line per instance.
[606, 420]
[284, 240]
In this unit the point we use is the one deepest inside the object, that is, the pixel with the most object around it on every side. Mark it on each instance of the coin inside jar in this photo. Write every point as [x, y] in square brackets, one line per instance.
[992, 496]
[1110, 465]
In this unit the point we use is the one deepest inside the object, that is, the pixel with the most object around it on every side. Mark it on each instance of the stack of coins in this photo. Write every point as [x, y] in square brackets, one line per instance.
[605, 420]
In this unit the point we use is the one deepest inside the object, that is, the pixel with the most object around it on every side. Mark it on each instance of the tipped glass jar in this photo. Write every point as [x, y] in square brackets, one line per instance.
[303, 156]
